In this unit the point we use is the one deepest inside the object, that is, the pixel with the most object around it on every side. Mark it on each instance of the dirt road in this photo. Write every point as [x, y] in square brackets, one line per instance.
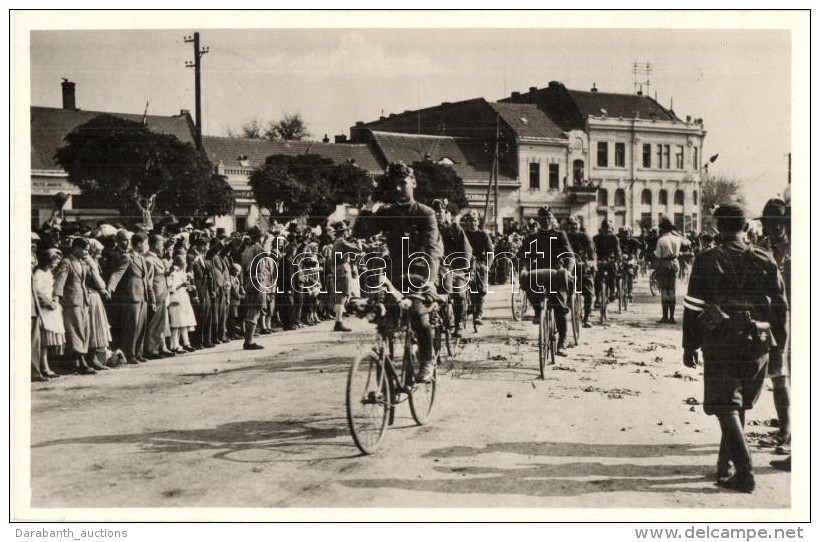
[617, 424]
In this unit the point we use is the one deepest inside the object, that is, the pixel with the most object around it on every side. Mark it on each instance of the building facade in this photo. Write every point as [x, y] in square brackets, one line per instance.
[602, 156]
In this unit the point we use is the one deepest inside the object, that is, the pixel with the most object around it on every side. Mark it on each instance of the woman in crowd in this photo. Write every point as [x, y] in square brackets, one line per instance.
[180, 310]
[51, 312]
[100, 329]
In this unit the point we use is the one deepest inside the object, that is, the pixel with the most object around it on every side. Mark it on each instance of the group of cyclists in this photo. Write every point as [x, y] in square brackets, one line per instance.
[457, 256]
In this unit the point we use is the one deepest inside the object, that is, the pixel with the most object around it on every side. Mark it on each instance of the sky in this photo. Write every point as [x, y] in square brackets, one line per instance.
[737, 81]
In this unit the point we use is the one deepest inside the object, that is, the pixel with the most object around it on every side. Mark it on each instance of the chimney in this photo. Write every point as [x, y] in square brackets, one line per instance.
[184, 112]
[688, 119]
[533, 89]
[325, 139]
[594, 88]
[359, 123]
[69, 100]
[340, 138]
[515, 95]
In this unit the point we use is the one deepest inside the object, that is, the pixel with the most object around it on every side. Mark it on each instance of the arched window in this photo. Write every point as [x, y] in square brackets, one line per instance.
[663, 197]
[603, 197]
[620, 198]
[678, 197]
[577, 171]
[695, 197]
[646, 197]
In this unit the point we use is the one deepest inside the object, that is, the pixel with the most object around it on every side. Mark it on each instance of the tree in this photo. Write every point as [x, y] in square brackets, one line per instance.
[718, 189]
[433, 181]
[290, 128]
[251, 129]
[121, 164]
[307, 186]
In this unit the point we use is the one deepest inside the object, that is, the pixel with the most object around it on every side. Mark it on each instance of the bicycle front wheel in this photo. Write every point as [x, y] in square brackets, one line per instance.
[422, 397]
[368, 401]
[576, 318]
[518, 303]
[543, 341]
[552, 336]
[604, 301]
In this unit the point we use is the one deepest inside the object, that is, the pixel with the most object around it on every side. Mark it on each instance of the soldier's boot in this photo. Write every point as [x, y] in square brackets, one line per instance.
[671, 312]
[665, 319]
[737, 449]
[479, 309]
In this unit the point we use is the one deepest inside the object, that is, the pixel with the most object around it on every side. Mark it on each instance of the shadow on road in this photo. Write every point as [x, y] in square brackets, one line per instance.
[561, 479]
[247, 441]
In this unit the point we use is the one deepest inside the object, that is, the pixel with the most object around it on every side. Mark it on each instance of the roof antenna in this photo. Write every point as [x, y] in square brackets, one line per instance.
[640, 70]
[145, 114]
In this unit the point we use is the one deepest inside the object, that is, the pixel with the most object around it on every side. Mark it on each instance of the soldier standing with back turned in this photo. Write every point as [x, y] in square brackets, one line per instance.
[736, 312]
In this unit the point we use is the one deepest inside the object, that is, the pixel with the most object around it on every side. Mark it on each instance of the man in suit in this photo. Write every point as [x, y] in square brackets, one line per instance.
[159, 326]
[203, 280]
[221, 282]
[133, 292]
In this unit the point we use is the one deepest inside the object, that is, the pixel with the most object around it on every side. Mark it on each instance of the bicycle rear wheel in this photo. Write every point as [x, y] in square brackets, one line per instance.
[422, 394]
[368, 401]
[604, 301]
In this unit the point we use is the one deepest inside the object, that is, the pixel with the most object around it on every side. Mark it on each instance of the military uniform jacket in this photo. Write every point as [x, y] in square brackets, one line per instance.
[607, 246]
[455, 242]
[415, 221]
[481, 244]
[718, 279]
[582, 246]
[544, 250]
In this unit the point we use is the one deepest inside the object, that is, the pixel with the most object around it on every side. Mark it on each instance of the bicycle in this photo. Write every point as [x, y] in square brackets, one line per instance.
[604, 293]
[375, 386]
[518, 302]
[547, 337]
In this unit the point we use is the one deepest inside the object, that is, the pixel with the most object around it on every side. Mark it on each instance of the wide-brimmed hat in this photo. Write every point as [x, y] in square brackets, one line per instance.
[775, 208]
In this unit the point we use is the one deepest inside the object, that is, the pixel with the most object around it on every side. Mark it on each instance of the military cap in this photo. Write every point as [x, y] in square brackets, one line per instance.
[730, 210]
[439, 204]
[399, 170]
[544, 212]
[472, 215]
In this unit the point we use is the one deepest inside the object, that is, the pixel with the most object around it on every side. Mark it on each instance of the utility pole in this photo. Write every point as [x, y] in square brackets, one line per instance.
[197, 65]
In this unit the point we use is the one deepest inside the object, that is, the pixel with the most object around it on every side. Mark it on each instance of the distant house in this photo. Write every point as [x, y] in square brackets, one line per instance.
[50, 125]
[236, 158]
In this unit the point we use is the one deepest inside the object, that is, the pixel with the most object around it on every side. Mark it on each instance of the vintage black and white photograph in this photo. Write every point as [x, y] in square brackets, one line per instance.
[524, 263]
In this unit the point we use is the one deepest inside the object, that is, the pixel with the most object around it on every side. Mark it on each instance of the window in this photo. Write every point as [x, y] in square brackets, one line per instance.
[663, 198]
[646, 221]
[695, 159]
[535, 176]
[620, 198]
[578, 171]
[695, 197]
[553, 172]
[620, 154]
[241, 223]
[603, 154]
[603, 197]
[678, 157]
[659, 163]
[695, 225]
[646, 197]
[678, 221]
[666, 157]
[647, 155]
[678, 197]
